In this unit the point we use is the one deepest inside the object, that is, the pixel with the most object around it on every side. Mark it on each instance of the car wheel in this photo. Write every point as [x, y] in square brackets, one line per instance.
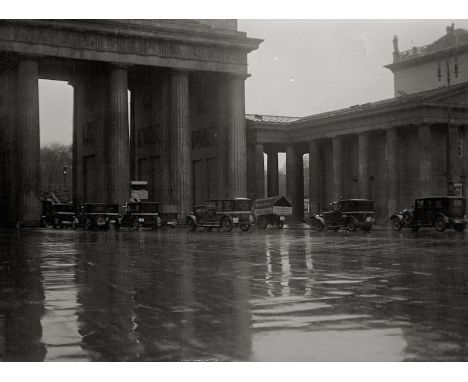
[244, 226]
[439, 224]
[366, 227]
[397, 225]
[351, 225]
[262, 222]
[407, 217]
[317, 225]
[280, 223]
[226, 223]
[459, 227]
[191, 224]
[415, 228]
[136, 224]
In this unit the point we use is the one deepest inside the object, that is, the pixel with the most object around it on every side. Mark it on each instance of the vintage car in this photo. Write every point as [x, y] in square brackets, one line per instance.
[440, 212]
[99, 215]
[346, 213]
[58, 215]
[272, 211]
[140, 214]
[222, 213]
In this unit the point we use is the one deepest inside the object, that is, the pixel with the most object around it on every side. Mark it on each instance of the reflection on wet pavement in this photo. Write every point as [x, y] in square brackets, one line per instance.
[274, 295]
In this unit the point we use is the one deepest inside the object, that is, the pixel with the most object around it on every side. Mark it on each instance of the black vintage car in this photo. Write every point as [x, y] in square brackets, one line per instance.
[222, 213]
[140, 214]
[98, 215]
[58, 215]
[440, 212]
[347, 213]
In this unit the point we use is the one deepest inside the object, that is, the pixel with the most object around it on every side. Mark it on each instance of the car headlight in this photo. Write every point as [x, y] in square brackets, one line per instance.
[235, 220]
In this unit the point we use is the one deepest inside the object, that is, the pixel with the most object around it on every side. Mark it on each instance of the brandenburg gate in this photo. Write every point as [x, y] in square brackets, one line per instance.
[156, 100]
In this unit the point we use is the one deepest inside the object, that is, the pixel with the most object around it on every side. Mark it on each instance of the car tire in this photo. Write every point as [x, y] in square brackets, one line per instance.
[317, 225]
[407, 217]
[262, 222]
[191, 224]
[226, 224]
[415, 228]
[136, 224]
[459, 227]
[397, 225]
[351, 225]
[440, 224]
[366, 227]
[244, 226]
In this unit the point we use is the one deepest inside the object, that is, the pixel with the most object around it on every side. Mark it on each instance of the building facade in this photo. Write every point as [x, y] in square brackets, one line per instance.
[185, 82]
[390, 151]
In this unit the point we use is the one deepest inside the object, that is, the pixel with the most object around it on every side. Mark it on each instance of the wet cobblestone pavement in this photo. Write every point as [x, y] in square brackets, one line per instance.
[212, 296]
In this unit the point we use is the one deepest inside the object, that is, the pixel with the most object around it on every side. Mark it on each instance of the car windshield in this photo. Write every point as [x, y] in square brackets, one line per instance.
[243, 205]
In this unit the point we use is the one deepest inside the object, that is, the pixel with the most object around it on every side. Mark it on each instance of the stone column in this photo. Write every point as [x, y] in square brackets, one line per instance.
[392, 170]
[237, 140]
[28, 144]
[222, 139]
[166, 140]
[337, 149]
[259, 172]
[455, 170]
[425, 160]
[182, 143]
[295, 180]
[118, 135]
[272, 173]
[363, 165]
[314, 177]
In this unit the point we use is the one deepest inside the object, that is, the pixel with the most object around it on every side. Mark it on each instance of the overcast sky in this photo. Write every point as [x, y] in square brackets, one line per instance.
[303, 67]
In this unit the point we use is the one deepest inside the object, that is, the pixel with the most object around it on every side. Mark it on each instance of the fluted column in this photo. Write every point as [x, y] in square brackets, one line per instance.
[222, 139]
[454, 166]
[237, 141]
[295, 180]
[425, 160]
[182, 143]
[28, 144]
[363, 165]
[272, 173]
[314, 177]
[392, 170]
[166, 146]
[337, 149]
[259, 172]
[118, 135]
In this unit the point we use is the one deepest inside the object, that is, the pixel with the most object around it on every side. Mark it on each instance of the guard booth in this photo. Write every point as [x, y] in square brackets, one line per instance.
[272, 211]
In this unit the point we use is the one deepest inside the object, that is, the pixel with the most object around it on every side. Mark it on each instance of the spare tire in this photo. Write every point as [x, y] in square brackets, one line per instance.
[407, 217]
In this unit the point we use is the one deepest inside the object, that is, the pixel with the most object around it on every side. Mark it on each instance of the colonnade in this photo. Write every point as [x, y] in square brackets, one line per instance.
[102, 143]
[390, 166]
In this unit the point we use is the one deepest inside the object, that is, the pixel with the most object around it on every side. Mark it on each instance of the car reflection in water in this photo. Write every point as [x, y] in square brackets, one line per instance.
[174, 295]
